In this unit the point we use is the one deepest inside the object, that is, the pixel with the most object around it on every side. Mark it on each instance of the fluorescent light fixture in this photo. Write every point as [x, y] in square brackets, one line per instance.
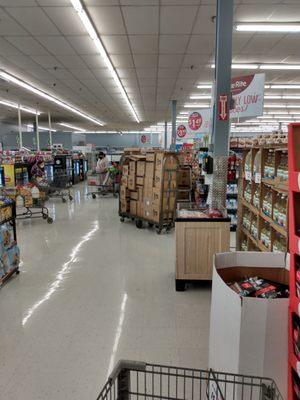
[13, 79]
[184, 113]
[241, 66]
[72, 127]
[285, 86]
[41, 128]
[195, 105]
[268, 27]
[279, 66]
[22, 108]
[200, 97]
[204, 86]
[99, 46]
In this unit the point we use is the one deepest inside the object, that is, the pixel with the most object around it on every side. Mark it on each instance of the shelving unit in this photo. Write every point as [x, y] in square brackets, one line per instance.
[232, 189]
[262, 199]
[294, 248]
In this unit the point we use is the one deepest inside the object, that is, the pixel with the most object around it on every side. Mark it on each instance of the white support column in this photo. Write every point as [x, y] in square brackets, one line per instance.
[37, 131]
[50, 130]
[20, 127]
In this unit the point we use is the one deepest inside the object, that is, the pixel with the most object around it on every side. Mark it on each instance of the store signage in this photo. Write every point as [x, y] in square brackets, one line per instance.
[181, 131]
[144, 139]
[248, 95]
[195, 121]
[223, 107]
[199, 123]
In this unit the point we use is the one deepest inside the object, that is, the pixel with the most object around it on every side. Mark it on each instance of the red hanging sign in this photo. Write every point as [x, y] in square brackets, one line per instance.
[181, 131]
[195, 121]
[223, 107]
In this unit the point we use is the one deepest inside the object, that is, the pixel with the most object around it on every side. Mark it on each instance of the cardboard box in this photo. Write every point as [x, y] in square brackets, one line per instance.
[124, 206]
[139, 209]
[164, 160]
[134, 195]
[133, 207]
[140, 193]
[148, 214]
[125, 170]
[132, 167]
[141, 168]
[148, 187]
[249, 335]
[124, 192]
[150, 170]
[167, 185]
[124, 180]
[150, 156]
[131, 182]
[140, 181]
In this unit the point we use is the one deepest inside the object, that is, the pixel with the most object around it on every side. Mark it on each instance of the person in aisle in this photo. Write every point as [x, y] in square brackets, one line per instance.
[102, 168]
[38, 170]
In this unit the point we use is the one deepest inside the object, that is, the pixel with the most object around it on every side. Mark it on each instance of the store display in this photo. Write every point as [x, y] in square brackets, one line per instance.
[260, 288]
[262, 200]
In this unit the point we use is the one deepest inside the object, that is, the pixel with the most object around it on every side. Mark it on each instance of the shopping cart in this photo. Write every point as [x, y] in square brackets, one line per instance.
[59, 187]
[132, 380]
[36, 210]
[110, 186]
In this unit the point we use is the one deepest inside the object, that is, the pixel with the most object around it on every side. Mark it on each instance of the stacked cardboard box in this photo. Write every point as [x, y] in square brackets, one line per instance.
[145, 184]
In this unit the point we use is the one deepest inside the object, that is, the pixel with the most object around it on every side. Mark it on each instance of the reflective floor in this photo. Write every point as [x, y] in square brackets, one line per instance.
[91, 291]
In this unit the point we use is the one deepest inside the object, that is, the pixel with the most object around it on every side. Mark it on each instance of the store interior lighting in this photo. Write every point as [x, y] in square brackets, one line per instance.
[267, 27]
[19, 82]
[75, 128]
[41, 128]
[264, 66]
[22, 108]
[99, 46]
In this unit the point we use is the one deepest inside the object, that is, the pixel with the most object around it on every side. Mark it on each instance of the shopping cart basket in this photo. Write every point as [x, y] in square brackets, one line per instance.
[110, 186]
[59, 187]
[132, 380]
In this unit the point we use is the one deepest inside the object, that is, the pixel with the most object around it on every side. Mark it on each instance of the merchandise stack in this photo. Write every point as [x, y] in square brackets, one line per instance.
[148, 188]
[262, 199]
[9, 251]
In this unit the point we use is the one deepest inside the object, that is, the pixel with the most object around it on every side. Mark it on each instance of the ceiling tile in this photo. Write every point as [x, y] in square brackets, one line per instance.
[145, 61]
[82, 74]
[116, 44]
[57, 45]
[34, 20]
[126, 72]
[168, 72]
[82, 44]
[141, 20]
[108, 20]
[24, 62]
[201, 44]
[94, 61]
[239, 40]
[27, 45]
[144, 44]
[170, 61]
[66, 20]
[147, 81]
[259, 13]
[173, 44]
[47, 61]
[101, 73]
[122, 60]
[8, 26]
[204, 23]
[177, 19]
[72, 61]
[6, 49]
[261, 43]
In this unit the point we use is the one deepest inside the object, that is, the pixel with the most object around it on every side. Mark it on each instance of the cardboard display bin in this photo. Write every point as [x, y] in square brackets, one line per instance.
[249, 335]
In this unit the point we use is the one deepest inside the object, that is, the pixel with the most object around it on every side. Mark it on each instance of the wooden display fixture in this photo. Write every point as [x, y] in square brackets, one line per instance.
[261, 178]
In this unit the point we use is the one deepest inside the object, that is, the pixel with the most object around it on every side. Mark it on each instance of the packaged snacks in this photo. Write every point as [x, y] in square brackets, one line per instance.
[260, 288]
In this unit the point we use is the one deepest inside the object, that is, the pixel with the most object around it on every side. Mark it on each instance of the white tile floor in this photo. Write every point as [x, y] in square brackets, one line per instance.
[93, 290]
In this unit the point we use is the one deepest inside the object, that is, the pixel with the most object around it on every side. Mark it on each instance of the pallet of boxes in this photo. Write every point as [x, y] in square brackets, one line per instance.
[148, 191]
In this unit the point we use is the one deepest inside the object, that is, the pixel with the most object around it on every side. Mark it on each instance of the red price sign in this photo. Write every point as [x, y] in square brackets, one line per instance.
[143, 139]
[181, 131]
[195, 121]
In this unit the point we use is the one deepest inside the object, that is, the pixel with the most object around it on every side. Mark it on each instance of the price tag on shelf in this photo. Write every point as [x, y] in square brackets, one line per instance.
[248, 175]
[257, 177]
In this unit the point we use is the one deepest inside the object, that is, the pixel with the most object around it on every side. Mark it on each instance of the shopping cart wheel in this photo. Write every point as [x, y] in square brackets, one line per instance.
[94, 196]
[49, 220]
[115, 194]
[179, 285]
[17, 271]
[63, 200]
[168, 228]
[150, 224]
[158, 230]
[139, 223]
[45, 216]
[70, 197]
[122, 219]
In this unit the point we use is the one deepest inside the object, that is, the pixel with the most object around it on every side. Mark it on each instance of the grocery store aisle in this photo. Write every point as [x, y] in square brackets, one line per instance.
[93, 290]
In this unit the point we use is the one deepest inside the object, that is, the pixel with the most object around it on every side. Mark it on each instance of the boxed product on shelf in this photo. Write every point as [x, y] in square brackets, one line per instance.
[134, 195]
[141, 168]
[269, 166]
[124, 192]
[131, 182]
[247, 220]
[279, 244]
[267, 203]
[249, 336]
[247, 192]
[280, 210]
[125, 205]
[254, 227]
[265, 235]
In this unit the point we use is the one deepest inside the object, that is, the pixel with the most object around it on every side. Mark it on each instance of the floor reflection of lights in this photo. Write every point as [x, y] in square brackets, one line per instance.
[60, 276]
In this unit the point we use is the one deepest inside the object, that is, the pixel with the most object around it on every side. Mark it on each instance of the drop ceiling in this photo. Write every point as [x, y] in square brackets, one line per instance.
[161, 49]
